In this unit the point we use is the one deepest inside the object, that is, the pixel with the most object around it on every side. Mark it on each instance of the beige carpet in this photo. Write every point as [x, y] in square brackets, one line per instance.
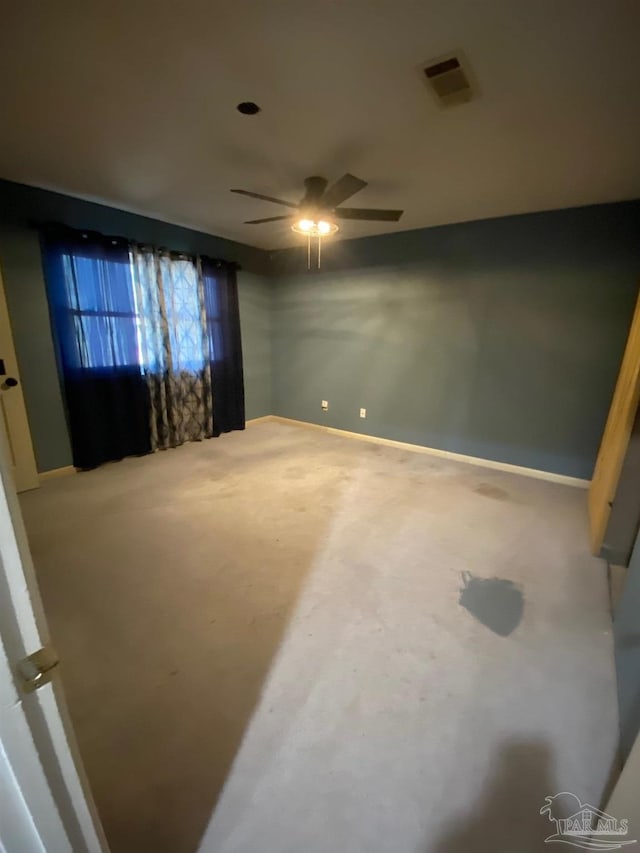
[264, 652]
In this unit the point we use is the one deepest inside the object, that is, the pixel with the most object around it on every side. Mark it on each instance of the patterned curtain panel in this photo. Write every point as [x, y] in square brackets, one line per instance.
[174, 343]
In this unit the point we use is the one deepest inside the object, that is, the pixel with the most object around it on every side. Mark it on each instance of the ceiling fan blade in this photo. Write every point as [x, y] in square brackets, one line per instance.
[266, 198]
[344, 188]
[368, 213]
[268, 219]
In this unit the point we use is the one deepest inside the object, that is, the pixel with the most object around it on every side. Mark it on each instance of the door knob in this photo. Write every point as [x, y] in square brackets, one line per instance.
[10, 382]
[37, 669]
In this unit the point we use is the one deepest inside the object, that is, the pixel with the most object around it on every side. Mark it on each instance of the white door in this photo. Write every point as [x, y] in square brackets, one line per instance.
[12, 408]
[45, 803]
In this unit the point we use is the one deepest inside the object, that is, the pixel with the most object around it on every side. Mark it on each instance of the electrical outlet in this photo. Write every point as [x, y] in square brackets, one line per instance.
[363, 413]
[325, 405]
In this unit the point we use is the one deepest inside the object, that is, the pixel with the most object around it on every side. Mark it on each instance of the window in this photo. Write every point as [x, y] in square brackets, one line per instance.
[102, 311]
[187, 342]
[213, 313]
[108, 316]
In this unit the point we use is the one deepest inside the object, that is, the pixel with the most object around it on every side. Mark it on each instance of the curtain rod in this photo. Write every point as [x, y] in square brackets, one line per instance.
[61, 227]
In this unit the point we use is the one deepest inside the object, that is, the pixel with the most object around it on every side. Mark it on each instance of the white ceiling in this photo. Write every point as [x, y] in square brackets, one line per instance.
[133, 104]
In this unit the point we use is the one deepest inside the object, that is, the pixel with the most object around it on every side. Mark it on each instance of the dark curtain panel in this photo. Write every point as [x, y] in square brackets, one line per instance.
[225, 346]
[92, 304]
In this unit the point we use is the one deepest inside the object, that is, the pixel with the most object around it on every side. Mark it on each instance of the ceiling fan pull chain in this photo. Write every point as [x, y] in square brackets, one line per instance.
[308, 251]
[319, 248]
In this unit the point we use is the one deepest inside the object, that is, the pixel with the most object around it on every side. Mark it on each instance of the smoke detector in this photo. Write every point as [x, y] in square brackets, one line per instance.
[449, 79]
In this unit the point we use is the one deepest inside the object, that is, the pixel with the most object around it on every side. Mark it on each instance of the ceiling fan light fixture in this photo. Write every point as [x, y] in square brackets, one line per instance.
[314, 228]
[303, 226]
[325, 227]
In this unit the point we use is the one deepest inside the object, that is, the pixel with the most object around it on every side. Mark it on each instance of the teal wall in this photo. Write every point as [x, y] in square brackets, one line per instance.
[500, 339]
[20, 208]
[255, 319]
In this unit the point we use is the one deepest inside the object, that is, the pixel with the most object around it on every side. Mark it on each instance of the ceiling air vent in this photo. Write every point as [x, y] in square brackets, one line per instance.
[448, 80]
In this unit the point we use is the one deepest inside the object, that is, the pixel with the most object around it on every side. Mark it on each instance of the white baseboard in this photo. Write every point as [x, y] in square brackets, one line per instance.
[259, 420]
[56, 472]
[565, 480]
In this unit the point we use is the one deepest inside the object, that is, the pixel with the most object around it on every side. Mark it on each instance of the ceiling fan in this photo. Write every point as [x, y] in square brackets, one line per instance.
[320, 206]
